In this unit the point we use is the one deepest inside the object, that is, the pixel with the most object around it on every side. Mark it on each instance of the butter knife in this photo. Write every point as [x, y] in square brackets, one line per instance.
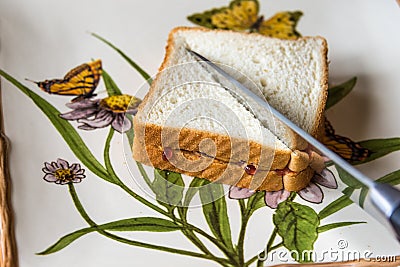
[384, 197]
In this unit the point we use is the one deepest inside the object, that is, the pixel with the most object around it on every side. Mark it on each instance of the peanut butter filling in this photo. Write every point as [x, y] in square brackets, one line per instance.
[299, 161]
[293, 177]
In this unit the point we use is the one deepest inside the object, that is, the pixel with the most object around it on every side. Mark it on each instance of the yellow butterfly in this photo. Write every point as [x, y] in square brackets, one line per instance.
[242, 15]
[81, 81]
[343, 146]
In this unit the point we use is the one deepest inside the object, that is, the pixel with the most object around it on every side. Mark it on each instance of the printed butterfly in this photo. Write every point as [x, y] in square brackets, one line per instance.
[343, 146]
[242, 15]
[81, 81]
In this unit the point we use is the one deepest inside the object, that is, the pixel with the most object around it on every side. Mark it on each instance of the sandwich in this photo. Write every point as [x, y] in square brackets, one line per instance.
[190, 123]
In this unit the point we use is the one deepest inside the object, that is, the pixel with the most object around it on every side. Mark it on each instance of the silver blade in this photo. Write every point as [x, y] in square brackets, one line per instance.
[385, 197]
[245, 93]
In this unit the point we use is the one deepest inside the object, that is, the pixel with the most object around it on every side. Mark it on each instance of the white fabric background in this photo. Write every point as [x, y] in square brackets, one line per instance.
[43, 39]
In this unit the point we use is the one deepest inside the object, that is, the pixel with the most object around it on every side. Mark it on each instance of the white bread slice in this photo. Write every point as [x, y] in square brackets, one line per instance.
[207, 133]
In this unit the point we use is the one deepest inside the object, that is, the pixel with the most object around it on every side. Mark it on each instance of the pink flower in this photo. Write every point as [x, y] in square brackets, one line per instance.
[61, 172]
[312, 193]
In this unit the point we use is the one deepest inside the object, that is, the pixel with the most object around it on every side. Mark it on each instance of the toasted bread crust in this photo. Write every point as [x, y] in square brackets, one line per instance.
[151, 139]
[148, 149]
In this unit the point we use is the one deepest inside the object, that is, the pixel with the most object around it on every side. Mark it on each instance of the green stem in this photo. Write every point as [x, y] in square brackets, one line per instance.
[189, 226]
[107, 160]
[263, 254]
[242, 206]
[195, 240]
[212, 239]
[271, 239]
[118, 181]
[143, 173]
[276, 246]
[249, 262]
[260, 263]
[130, 61]
[162, 248]
[189, 230]
[86, 217]
[292, 196]
[245, 218]
[154, 207]
[79, 206]
[190, 234]
[143, 200]
[268, 249]
[250, 204]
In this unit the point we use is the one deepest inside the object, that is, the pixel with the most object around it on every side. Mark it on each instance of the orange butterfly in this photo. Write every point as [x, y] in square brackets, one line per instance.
[81, 81]
[343, 146]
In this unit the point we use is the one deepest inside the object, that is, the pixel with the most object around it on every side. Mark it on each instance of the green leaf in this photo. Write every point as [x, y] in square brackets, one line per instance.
[348, 191]
[348, 179]
[392, 178]
[149, 224]
[335, 206]
[215, 212]
[297, 225]
[107, 159]
[168, 187]
[66, 240]
[66, 130]
[111, 86]
[338, 92]
[363, 196]
[335, 225]
[256, 202]
[194, 187]
[130, 134]
[128, 59]
[379, 148]
[144, 174]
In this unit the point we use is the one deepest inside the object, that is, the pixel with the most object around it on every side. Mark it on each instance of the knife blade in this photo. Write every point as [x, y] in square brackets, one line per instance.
[384, 197]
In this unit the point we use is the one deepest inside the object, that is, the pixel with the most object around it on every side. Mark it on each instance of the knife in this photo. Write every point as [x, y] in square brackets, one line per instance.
[384, 197]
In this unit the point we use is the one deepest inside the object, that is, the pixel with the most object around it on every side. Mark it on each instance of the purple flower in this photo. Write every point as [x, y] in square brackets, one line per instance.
[312, 193]
[240, 193]
[100, 113]
[61, 172]
[272, 199]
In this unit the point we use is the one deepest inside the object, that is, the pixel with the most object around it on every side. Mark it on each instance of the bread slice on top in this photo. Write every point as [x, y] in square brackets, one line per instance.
[189, 123]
